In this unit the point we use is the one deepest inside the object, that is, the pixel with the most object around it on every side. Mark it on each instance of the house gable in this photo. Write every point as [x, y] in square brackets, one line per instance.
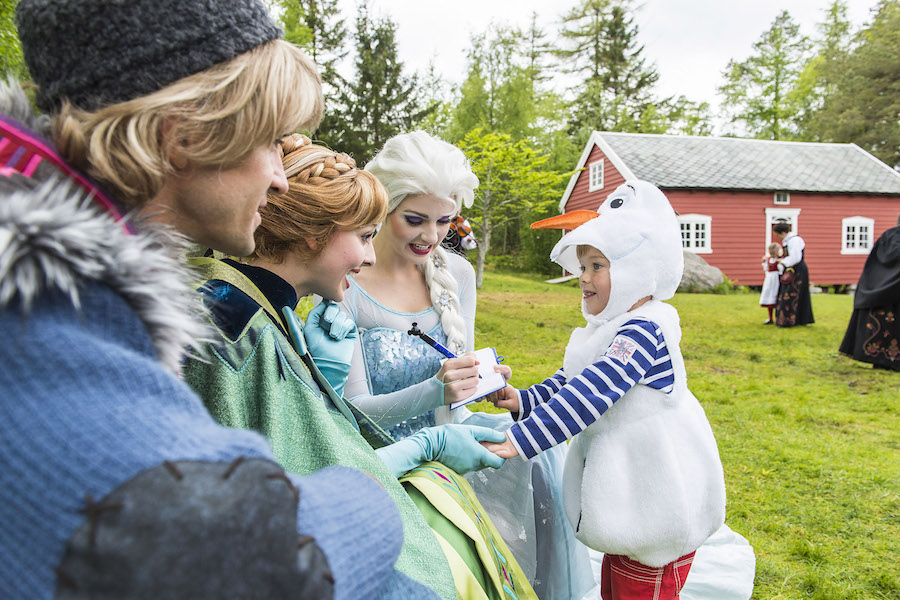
[728, 187]
[615, 172]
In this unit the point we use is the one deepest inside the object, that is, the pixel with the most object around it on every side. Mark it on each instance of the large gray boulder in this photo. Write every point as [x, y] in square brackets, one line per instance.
[699, 276]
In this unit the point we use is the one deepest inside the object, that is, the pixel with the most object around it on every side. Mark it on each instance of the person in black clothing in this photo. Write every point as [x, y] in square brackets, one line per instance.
[873, 334]
[793, 306]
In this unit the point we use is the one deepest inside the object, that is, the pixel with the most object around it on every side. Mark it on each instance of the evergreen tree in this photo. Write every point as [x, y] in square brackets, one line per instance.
[536, 51]
[678, 115]
[756, 90]
[602, 47]
[381, 101]
[437, 94]
[11, 61]
[314, 26]
[819, 77]
[864, 106]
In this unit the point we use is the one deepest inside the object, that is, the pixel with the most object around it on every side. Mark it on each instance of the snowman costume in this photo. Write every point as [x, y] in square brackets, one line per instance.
[643, 479]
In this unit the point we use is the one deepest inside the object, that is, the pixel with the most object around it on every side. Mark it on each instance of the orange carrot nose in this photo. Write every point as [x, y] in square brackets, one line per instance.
[570, 220]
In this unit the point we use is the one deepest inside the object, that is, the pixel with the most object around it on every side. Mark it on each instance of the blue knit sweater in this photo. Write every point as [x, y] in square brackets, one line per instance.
[87, 313]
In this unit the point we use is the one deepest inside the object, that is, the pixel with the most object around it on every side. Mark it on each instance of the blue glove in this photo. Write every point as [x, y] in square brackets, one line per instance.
[454, 445]
[330, 338]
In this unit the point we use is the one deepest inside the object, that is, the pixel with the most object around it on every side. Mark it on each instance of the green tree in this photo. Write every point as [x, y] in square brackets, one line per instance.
[756, 89]
[821, 73]
[682, 116]
[314, 26]
[380, 101]
[437, 94]
[601, 45]
[498, 93]
[11, 61]
[864, 106]
[513, 182]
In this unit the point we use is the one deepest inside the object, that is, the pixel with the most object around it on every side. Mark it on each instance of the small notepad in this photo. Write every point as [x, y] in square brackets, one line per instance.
[491, 381]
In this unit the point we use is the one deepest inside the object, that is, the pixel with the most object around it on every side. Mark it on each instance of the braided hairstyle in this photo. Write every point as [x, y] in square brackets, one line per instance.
[417, 163]
[326, 193]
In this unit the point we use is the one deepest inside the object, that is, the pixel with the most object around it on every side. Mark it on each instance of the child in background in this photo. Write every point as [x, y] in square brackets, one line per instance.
[772, 268]
[643, 482]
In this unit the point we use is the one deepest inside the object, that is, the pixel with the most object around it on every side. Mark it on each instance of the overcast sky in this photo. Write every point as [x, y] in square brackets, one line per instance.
[690, 41]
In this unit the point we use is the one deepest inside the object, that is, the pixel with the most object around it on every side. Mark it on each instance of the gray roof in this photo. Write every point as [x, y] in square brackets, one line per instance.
[742, 164]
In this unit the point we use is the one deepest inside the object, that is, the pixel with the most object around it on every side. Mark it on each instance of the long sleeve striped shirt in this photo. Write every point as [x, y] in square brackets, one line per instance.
[555, 410]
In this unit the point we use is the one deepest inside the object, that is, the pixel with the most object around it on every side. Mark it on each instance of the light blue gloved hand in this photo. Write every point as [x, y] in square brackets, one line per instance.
[330, 338]
[454, 445]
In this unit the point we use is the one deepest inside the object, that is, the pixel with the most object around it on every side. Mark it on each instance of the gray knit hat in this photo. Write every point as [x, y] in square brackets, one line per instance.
[101, 52]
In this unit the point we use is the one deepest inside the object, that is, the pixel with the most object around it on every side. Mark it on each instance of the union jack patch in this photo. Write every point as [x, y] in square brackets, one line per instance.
[622, 348]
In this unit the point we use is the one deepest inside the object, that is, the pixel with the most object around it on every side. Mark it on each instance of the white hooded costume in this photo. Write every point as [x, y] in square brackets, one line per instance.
[645, 479]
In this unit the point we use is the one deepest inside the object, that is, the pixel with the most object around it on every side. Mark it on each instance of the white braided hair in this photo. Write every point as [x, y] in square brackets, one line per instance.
[417, 163]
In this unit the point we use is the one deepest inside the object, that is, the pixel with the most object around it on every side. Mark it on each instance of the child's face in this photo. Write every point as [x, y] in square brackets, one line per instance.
[594, 279]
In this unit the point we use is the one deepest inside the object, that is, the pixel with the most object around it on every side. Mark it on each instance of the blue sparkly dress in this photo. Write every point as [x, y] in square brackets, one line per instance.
[392, 381]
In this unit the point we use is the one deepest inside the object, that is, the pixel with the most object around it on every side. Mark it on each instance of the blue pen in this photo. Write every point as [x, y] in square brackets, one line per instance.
[414, 330]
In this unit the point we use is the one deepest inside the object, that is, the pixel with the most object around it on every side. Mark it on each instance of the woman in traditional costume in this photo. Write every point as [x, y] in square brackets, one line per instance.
[793, 306]
[873, 335]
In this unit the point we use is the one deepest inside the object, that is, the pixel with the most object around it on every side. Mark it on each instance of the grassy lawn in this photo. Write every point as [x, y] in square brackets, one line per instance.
[809, 439]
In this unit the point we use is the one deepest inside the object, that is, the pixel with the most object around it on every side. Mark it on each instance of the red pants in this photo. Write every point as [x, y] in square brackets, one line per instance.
[625, 579]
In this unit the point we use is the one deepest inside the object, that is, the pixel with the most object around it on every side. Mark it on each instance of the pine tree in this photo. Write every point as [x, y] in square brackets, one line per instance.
[821, 73]
[603, 48]
[381, 101]
[756, 90]
[314, 26]
[864, 106]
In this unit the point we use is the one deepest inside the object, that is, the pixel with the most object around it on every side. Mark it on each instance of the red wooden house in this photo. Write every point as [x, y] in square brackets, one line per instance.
[730, 191]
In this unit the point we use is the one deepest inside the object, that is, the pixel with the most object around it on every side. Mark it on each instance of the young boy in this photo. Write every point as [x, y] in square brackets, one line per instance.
[643, 482]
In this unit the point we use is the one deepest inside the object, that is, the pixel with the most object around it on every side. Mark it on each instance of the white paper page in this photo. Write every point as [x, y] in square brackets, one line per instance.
[491, 381]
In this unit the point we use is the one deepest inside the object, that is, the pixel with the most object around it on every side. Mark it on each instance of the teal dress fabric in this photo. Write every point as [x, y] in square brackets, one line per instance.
[390, 369]
[396, 360]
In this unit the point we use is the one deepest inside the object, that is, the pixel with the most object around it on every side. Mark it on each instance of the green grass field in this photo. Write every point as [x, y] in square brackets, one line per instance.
[809, 439]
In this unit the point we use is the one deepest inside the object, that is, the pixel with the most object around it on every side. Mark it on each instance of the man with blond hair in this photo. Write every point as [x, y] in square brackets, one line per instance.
[161, 128]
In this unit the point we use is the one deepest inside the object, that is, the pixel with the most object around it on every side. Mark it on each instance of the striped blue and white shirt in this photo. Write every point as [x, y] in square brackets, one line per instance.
[555, 410]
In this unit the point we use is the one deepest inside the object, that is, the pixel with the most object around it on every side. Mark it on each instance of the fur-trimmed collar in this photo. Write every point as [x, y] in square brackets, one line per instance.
[55, 239]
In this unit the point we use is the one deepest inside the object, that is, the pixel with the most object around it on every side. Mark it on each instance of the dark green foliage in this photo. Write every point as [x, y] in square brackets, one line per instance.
[380, 101]
[756, 90]
[314, 26]
[863, 106]
[820, 75]
[11, 61]
[602, 45]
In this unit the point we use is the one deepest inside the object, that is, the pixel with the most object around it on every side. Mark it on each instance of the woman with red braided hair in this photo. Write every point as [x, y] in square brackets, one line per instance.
[273, 373]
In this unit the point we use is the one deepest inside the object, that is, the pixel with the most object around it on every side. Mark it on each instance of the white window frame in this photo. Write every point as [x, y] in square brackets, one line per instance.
[595, 176]
[853, 226]
[785, 195]
[694, 221]
[789, 215]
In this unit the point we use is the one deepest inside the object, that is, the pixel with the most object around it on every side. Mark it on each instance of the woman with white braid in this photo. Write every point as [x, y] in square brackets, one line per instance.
[399, 382]
[273, 373]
